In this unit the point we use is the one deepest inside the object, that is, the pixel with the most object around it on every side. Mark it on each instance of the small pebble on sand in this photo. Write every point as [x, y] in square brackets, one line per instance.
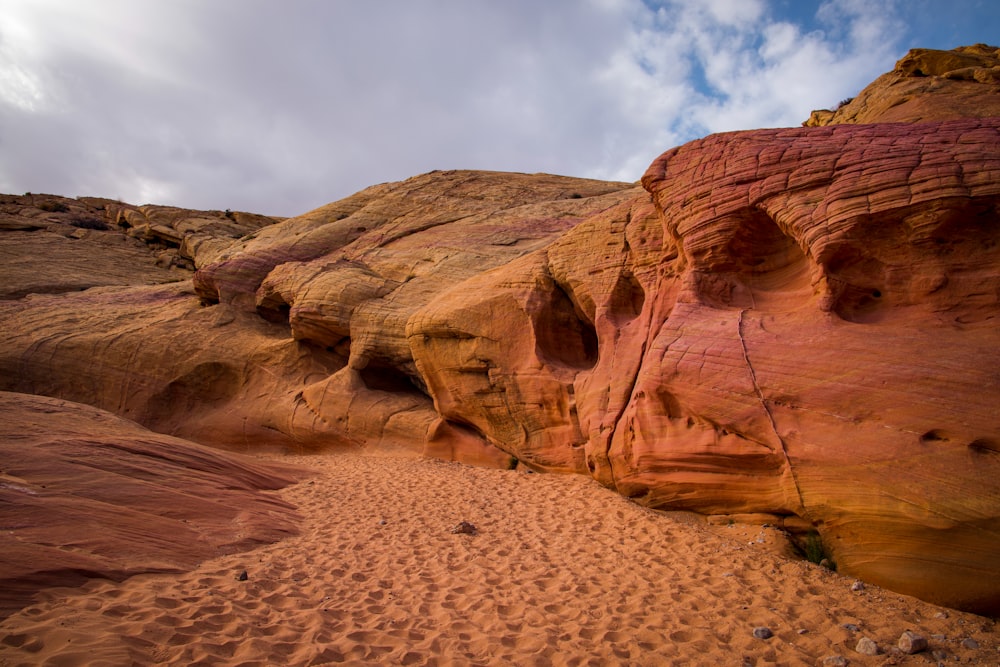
[866, 646]
[910, 642]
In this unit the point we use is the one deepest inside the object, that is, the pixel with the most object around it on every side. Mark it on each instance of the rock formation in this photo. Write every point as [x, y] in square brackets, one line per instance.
[797, 324]
[926, 85]
[802, 324]
[842, 317]
[296, 336]
[90, 242]
[86, 494]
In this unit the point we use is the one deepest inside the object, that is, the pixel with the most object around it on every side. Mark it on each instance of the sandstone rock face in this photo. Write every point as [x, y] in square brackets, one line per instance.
[926, 85]
[296, 336]
[794, 323]
[842, 318]
[52, 245]
[155, 355]
[802, 324]
[197, 237]
[85, 494]
[348, 278]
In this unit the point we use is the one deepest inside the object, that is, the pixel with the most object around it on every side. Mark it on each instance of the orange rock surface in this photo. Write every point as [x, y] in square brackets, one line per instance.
[802, 324]
[295, 338]
[86, 494]
[797, 324]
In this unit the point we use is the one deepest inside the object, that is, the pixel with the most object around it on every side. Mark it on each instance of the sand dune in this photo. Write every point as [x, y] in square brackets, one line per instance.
[559, 572]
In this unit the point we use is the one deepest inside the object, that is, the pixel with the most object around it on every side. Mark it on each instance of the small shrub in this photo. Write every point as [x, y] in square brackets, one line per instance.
[812, 548]
[844, 102]
[85, 222]
[53, 207]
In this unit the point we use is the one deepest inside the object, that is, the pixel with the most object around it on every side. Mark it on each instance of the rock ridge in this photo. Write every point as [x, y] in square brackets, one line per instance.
[926, 85]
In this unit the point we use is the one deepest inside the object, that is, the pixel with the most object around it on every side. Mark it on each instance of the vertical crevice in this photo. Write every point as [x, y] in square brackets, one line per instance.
[764, 406]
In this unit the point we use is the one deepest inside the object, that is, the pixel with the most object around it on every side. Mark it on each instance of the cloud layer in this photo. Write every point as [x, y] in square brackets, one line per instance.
[278, 107]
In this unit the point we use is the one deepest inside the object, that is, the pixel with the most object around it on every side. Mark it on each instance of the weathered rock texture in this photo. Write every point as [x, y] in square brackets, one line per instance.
[926, 85]
[802, 324]
[51, 244]
[798, 324]
[305, 343]
[835, 334]
[86, 494]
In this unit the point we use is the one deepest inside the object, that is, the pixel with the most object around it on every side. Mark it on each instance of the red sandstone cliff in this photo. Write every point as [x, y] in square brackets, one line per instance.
[797, 323]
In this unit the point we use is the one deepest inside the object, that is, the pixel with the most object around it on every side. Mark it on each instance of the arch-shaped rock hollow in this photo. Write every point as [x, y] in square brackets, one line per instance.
[627, 299]
[769, 263]
[202, 388]
[379, 375]
[747, 261]
[563, 336]
[273, 307]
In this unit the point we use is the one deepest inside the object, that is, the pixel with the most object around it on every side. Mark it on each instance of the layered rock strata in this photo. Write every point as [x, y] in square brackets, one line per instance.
[801, 324]
[296, 336]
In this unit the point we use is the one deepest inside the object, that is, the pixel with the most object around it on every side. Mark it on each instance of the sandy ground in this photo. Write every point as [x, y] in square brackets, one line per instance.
[560, 572]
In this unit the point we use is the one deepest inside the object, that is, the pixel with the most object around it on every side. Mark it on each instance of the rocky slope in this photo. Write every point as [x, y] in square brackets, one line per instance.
[85, 494]
[89, 242]
[796, 325]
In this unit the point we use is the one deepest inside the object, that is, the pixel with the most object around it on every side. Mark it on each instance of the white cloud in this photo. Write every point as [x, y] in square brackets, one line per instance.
[735, 13]
[762, 71]
[20, 86]
[279, 106]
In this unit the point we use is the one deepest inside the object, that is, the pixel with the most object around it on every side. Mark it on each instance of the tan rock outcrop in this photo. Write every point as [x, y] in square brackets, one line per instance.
[51, 244]
[306, 347]
[348, 277]
[156, 355]
[199, 237]
[86, 494]
[926, 85]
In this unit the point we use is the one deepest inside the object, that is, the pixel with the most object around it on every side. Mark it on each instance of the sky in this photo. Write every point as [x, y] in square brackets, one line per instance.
[281, 106]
